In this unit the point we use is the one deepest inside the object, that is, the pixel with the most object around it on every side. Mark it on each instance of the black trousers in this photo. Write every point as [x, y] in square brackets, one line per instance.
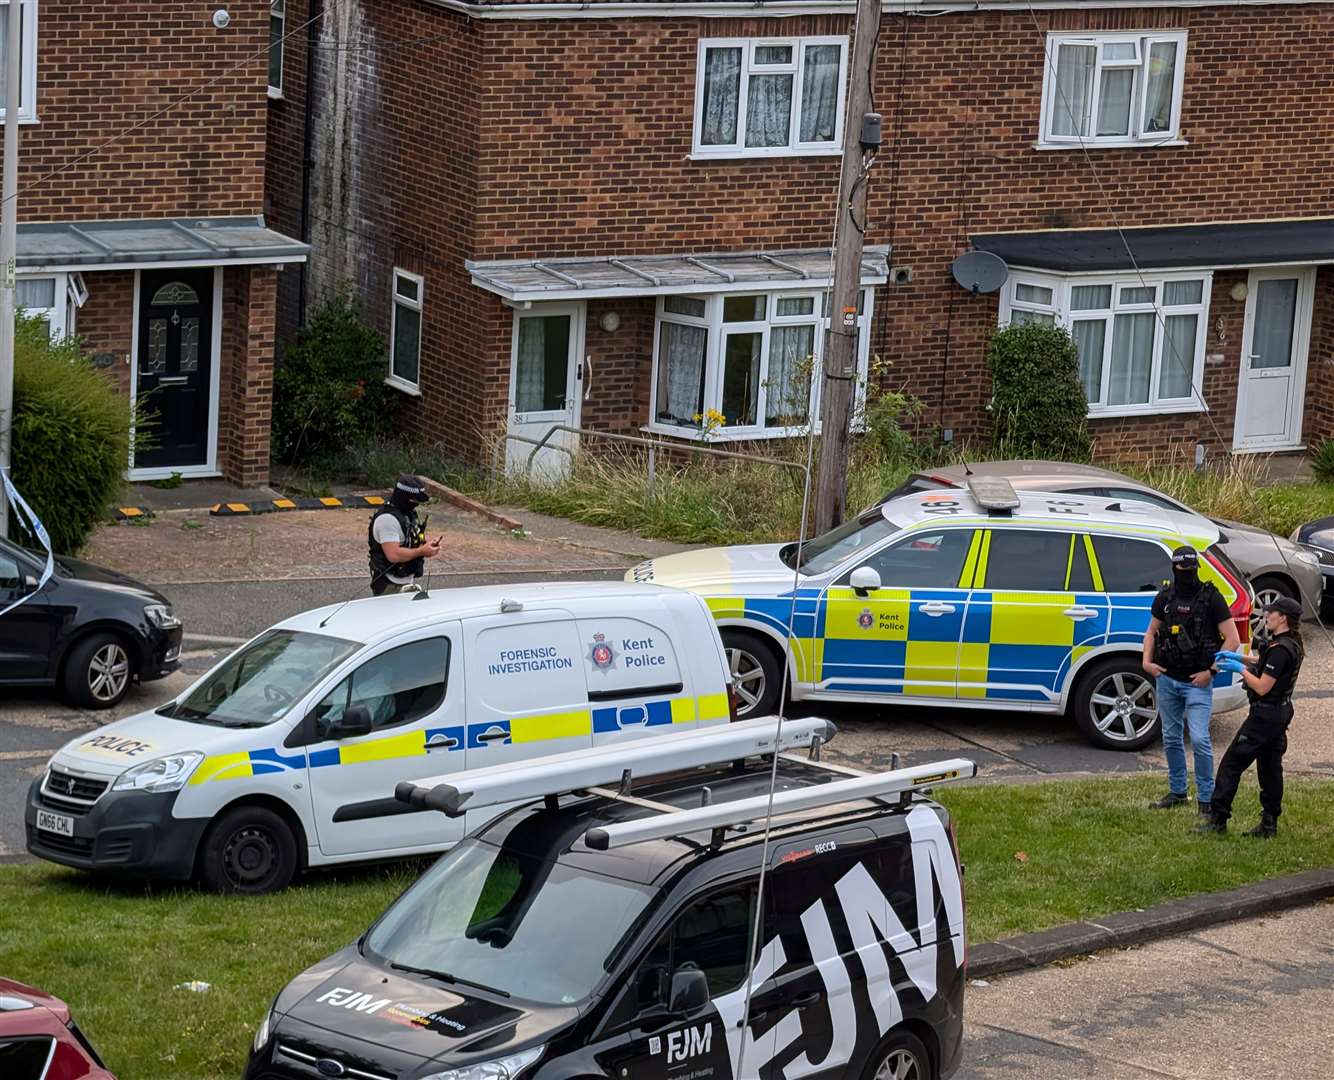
[1260, 742]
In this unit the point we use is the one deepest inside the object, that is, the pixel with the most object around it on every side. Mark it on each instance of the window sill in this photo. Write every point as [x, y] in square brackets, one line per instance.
[1111, 144]
[1146, 410]
[772, 152]
[724, 435]
[24, 121]
[275, 94]
[403, 386]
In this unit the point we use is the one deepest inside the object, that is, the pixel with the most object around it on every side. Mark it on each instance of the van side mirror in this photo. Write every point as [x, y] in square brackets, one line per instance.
[690, 992]
[864, 580]
[30, 583]
[356, 720]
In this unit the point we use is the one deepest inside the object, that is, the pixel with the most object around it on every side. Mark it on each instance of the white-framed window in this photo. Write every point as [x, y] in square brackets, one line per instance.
[27, 59]
[754, 359]
[53, 298]
[1140, 339]
[769, 96]
[1112, 89]
[405, 334]
[277, 31]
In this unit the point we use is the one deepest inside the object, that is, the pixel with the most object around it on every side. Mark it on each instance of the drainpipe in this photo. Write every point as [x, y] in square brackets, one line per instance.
[316, 16]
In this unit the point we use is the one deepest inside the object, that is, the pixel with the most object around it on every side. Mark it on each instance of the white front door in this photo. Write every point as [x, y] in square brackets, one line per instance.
[546, 381]
[1273, 359]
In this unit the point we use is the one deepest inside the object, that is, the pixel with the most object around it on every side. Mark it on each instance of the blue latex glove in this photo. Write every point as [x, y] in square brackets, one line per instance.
[1229, 663]
[1224, 655]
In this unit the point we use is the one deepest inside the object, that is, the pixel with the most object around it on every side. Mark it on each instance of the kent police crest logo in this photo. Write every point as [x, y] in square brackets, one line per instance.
[866, 620]
[601, 654]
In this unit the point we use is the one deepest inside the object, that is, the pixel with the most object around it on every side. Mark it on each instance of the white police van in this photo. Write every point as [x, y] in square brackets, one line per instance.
[286, 754]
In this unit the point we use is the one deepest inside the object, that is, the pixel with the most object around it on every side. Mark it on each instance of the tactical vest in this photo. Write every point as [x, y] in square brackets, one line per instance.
[413, 535]
[1277, 704]
[1188, 640]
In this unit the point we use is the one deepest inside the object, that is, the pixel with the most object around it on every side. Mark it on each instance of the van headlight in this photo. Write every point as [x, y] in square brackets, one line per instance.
[262, 1035]
[161, 616]
[161, 774]
[505, 1068]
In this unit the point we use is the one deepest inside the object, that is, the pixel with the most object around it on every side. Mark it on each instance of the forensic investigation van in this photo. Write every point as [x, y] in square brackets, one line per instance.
[286, 754]
[605, 928]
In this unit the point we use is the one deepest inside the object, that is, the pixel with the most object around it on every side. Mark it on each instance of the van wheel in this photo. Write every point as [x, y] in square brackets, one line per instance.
[248, 850]
[1116, 706]
[97, 672]
[902, 1057]
[753, 669]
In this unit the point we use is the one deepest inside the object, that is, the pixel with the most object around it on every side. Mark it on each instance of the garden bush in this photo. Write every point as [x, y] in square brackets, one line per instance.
[71, 436]
[328, 389]
[1322, 461]
[1038, 405]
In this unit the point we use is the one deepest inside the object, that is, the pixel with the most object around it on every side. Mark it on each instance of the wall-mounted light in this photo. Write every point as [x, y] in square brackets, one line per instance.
[222, 18]
[609, 321]
[1239, 291]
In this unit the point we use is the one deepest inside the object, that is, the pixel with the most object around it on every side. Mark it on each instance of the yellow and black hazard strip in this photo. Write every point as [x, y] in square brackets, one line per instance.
[130, 513]
[276, 506]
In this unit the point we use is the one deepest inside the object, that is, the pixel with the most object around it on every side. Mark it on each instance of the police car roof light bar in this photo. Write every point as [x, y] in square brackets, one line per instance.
[744, 811]
[994, 494]
[611, 765]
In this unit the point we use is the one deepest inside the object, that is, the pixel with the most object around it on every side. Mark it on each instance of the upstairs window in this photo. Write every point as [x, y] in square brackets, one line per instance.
[779, 96]
[277, 31]
[1112, 89]
[405, 332]
[27, 59]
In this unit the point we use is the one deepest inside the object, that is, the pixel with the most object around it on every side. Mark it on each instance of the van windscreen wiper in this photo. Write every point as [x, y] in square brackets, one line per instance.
[446, 977]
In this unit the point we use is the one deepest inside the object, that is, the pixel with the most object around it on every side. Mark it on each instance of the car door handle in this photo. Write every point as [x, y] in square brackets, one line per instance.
[1081, 613]
[935, 607]
[493, 736]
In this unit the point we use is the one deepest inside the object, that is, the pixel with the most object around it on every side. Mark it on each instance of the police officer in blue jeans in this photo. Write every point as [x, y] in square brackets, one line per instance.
[1191, 623]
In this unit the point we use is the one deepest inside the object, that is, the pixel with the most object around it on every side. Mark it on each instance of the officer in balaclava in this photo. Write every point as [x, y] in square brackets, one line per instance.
[397, 538]
[1191, 623]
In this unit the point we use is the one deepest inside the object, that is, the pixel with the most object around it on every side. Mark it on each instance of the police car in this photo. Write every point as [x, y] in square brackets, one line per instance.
[284, 755]
[606, 930]
[981, 598]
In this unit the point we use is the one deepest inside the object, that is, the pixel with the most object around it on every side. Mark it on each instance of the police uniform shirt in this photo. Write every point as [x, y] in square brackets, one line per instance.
[388, 531]
[1218, 613]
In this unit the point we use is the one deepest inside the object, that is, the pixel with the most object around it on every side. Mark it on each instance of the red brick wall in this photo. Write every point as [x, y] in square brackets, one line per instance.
[106, 66]
[1319, 424]
[246, 373]
[617, 390]
[106, 323]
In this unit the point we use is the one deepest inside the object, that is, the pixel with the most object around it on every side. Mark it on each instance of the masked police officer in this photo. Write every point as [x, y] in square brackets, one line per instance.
[1190, 623]
[1263, 738]
[397, 539]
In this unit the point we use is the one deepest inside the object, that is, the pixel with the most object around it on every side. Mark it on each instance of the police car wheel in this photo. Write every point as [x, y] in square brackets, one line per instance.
[903, 1057]
[1115, 705]
[98, 672]
[754, 673]
[248, 850]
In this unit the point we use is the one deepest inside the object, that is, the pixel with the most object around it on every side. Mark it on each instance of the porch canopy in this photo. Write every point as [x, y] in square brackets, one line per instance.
[1223, 244]
[530, 280]
[131, 245]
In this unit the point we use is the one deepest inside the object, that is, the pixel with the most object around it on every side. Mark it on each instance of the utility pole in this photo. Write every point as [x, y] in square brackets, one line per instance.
[840, 353]
[9, 228]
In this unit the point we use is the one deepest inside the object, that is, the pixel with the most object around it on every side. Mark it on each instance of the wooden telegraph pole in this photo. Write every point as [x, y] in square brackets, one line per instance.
[840, 354]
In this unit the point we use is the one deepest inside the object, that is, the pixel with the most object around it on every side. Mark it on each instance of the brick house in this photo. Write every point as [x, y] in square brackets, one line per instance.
[617, 215]
[140, 215]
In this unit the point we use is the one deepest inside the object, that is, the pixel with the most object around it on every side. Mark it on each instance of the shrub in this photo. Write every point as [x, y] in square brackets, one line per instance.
[71, 436]
[1038, 406]
[328, 389]
[1322, 461]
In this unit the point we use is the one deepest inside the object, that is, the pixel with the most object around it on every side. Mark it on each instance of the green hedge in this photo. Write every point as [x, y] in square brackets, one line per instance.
[1038, 408]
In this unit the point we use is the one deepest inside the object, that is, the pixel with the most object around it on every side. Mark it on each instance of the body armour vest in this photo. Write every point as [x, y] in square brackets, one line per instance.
[1277, 704]
[1188, 640]
[412, 537]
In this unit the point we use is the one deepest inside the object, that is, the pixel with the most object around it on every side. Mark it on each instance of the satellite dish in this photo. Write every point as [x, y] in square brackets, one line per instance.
[980, 271]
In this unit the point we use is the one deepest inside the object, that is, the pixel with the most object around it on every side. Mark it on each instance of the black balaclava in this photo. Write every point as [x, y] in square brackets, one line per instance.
[409, 493]
[1186, 571]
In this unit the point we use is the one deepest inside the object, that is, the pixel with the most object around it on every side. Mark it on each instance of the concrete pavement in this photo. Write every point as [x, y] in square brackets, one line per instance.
[1248, 999]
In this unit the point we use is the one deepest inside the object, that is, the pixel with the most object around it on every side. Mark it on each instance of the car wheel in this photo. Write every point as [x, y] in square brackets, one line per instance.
[248, 850]
[98, 671]
[754, 672]
[1268, 589]
[1116, 705]
[902, 1057]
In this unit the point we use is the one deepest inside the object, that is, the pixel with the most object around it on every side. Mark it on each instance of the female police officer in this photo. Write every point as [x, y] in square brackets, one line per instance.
[1263, 737]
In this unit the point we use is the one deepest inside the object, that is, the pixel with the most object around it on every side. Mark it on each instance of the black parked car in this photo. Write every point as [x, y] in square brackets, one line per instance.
[88, 631]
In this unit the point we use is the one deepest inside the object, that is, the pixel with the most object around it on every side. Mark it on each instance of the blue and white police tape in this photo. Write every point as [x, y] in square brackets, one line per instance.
[34, 525]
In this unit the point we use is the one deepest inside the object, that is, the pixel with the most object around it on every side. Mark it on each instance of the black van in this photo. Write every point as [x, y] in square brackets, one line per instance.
[527, 950]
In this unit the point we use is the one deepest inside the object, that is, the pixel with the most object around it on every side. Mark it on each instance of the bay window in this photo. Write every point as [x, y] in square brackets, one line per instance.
[770, 96]
[1112, 89]
[1140, 339]
[53, 298]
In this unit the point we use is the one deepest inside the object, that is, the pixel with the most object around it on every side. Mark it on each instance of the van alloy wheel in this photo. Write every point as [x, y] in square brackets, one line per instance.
[1123, 706]
[747, 674]
[901, 1064]
[108, 672]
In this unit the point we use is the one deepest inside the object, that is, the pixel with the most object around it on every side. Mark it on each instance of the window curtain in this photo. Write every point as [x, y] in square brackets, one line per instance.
[1162, 82]
[788, 391]
[1090, 336]
[1073, 100]
[1178, 356]
[819, 93]
[769, 110]
[722, 95]
[1132, 359]
[35, 293]
[681, 373]
[530, 393]
[1118, 90]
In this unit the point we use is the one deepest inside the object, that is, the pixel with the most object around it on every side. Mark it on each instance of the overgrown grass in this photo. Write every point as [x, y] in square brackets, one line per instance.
[115, 952]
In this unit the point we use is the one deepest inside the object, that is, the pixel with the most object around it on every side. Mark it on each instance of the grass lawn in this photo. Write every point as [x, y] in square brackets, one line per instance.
[115, 951]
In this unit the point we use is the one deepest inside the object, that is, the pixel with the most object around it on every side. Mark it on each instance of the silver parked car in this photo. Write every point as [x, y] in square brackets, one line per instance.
[1275, 566]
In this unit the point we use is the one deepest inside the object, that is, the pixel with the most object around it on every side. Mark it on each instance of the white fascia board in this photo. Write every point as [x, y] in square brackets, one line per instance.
[172, 264]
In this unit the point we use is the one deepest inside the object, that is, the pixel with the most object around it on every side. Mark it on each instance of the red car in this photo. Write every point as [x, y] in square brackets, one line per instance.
[39, 1041]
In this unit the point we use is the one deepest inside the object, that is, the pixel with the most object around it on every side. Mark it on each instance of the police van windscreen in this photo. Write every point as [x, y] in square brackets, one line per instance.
[260, 683]
[507, 921]
[835, 547]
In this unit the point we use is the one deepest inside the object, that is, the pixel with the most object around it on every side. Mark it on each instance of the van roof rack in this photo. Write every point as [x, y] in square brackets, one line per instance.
[615, 763]
[994, 494]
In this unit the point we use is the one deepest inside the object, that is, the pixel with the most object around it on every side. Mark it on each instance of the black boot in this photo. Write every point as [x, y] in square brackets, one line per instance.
[1206, 809]
[1170, 800]
[1267, 829]
[1214, 823]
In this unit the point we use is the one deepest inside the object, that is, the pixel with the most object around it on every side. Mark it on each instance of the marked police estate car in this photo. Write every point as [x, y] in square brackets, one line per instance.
[284, 755]
[1035, 602]
[605, 931]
